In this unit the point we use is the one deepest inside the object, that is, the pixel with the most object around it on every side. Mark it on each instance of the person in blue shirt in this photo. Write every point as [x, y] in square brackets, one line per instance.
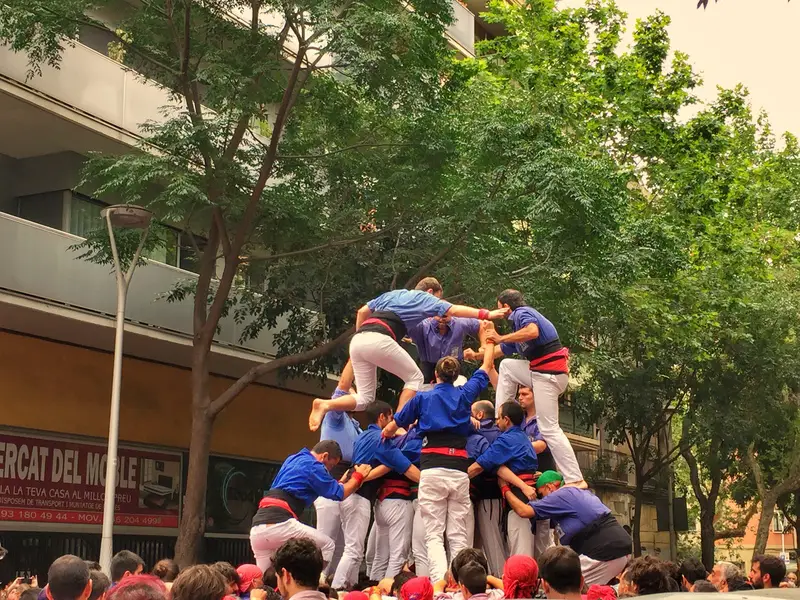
[380, 325]
[512, 449]
[443, 420]
[357, 508]
[437, 337]
[340, 427]
[301, 479]
[583, 523]
[543, 368]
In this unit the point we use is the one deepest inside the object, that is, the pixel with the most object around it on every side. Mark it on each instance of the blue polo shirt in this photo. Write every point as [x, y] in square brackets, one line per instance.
[522, 317]
[513, 449]
[305, 478]
[432, 345]
[412, 306]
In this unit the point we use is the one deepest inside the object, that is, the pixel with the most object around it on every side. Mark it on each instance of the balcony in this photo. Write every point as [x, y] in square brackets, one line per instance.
[40, 265]
[609, 467]
[462, 29]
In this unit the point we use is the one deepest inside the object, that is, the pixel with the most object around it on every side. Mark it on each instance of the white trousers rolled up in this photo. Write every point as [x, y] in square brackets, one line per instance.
[542, 538]
[355, 512]
[329, 522]
[394, 522]
[445, 508]
[370, 350]
[546, 390]
[601, 572]
[266, 539]
[490, 512]
[419, 547]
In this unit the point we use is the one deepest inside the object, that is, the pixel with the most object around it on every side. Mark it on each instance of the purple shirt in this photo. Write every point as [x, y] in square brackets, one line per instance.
[571, 509]
[531, 427]
[432, 345]
[522, 317]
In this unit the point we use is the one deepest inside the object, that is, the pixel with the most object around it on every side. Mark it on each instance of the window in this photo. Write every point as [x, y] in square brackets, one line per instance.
[84, 215]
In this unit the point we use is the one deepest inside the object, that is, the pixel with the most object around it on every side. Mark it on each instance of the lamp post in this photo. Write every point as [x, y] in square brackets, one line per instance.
[128, 217]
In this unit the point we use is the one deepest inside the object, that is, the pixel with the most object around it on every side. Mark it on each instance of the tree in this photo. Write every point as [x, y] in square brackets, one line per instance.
[295, 132]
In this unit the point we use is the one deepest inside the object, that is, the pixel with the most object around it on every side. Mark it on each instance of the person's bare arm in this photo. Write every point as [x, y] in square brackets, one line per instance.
[355, 482]
[474, 469]
[523, 509]
[494, 582]
[507, 475]
[377, 473]
[539, 446]
[479, 353]
[362, 315]
[412, 473]
[459, 310]
[526, 334]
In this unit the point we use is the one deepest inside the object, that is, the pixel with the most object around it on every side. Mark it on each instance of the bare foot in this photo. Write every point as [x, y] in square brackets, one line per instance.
[318, 410]
[582, 485]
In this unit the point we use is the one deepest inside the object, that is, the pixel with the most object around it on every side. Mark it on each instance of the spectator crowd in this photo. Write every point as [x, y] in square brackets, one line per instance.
[297, 574]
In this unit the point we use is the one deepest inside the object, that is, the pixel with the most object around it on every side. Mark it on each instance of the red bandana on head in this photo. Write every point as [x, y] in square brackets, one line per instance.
[419, 588]
[520, 577]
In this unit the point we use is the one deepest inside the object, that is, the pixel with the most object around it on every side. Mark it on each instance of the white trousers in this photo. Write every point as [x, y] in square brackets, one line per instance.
[266, 539]
[370, 350]
[329, 522]
[542, 538]
[601, 572]
[419, 547]
[520, 536]
[355, 511]
[489, 514]
[372, 548]
[445, 508]
[546, 390]
[394, 522]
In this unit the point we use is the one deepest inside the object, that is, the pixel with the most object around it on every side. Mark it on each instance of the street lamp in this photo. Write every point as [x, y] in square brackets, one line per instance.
[129, 217]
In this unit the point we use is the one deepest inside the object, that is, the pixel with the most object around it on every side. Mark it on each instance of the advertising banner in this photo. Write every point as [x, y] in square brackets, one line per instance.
[62, 481]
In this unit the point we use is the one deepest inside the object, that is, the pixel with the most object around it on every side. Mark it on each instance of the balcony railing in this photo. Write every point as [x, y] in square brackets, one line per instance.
[612, 467]
[39, 264]
[462, 29]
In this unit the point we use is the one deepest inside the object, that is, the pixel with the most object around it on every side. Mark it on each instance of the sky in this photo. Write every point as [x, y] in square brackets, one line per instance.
[753, 42]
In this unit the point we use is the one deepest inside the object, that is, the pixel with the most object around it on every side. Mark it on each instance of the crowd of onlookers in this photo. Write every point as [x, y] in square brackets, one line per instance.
[297, 574]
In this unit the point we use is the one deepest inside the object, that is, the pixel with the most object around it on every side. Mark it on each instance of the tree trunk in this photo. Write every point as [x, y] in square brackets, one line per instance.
[637, 517]
[707, 536]
[193, 515]
[768, 502]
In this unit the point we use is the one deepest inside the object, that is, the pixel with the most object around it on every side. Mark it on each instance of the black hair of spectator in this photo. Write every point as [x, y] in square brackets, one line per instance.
[399, 580]
[100, 584]
[740, 584]
[704, 586]
[693, 569]
[513, 411]
[93, 565]
[332, 447]
[649, 575]
[67, 577]
[302, 559]
[166, 570]
[772, 566]
[32, 594]
[228, 571]
[364, 583]
[273, 595]
[467, 555]
[473, 577]
[674, 571]
[513, 298]
[560, 567]
[270, 579]
[123, 562]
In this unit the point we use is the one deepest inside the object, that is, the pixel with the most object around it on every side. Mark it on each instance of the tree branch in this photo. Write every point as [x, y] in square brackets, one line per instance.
[259, 371]
[331, 244]
[339, 151]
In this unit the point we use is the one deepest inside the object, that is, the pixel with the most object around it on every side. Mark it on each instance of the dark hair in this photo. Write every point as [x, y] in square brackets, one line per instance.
[139, 587]
[511, 297]
[302, 559]
[32, 594]
[166, 570]
[67, 577]
[270, 578]
[485, 406]
[513, 411]
[466, 556]
[273, 595]
[739, 584]
[93, 565]
[704, 586]
[649, 575]
[772, 566]
[228, 571]
[332, 447]
[376, 410]
[560, 567]
[100, 584]
[693, 569]
[399, 580]
[448, 369]
[124, 561]
[199, 582]
[674, 572]
[473, 577]
[429, 283]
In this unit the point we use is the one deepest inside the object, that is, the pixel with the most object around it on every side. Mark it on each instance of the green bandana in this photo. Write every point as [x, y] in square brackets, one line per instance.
[548, 477]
